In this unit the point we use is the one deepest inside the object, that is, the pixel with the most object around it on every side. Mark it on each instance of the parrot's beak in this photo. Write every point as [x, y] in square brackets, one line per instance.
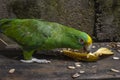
[88, 45]
[87, 48]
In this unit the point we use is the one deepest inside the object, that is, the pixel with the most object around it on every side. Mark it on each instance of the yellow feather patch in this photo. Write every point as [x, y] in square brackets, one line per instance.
[89, 40]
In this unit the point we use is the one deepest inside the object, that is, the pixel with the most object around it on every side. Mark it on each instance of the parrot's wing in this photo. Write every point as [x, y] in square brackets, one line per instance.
[25, 32]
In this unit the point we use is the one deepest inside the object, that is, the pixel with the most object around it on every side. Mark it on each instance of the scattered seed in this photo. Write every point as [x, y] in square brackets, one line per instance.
[11, 71]
[115, 70]
[76, 50]
[113, 44]
[71, 67]
[94, 66]
[68, 49]
[93, 47]
[117, 58]
[61, 51]
[118, 50]
[118, 45]
[82, 72]
[75, 75]
[77, 64]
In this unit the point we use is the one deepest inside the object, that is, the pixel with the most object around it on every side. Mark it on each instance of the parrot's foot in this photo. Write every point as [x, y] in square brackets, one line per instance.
[36, 60]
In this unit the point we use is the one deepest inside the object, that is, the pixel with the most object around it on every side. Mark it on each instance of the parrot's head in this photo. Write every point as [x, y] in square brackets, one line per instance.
[80, 40]
[87, 41]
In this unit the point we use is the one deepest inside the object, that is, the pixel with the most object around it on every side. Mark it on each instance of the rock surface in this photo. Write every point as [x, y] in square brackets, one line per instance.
[107, 20]
[104, 69]
[99, 18]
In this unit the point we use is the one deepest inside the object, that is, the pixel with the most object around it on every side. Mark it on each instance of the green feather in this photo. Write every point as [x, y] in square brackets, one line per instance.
[35, 34]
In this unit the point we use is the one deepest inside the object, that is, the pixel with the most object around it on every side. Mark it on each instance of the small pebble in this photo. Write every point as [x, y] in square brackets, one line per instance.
[115, 70]
[77, 64]
[71, 67]
[117, 58]
[82, 72]
[11, 71]
[75, 75]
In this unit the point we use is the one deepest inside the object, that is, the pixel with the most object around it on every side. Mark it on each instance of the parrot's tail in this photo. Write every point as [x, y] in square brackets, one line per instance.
[3, 22]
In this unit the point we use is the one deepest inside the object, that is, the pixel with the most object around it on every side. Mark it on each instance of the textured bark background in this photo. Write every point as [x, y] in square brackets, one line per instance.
[99, 18]
[107, 20]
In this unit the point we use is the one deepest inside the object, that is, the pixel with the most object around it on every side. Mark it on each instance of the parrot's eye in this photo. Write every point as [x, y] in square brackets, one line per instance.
[81, 41]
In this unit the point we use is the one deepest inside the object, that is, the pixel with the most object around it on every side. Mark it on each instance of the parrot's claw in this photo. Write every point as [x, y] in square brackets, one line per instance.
[27, 61]
[40, 60]
[36, 60]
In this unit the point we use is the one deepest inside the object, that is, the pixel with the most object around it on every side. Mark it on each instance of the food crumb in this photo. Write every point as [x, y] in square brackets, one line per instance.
[116, 58]
[77, 64]
[82, 72]
[115, 70]
[71, 67]
[11, 71]
[75, 75]
[93, 47]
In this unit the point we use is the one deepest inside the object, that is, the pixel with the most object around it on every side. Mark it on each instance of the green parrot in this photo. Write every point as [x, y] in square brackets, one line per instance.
[36, 34]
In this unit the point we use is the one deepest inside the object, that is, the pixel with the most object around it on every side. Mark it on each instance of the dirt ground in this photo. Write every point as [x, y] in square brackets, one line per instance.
[103, 69]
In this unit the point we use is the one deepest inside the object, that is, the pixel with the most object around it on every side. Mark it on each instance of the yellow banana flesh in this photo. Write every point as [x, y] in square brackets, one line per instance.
[88, 56]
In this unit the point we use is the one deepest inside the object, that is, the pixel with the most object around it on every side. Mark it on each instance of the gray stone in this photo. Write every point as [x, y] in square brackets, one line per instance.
[99, 18]
[75, 13]
[108, 23]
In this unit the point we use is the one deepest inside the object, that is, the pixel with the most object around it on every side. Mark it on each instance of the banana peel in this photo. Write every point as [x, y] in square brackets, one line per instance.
[88, 56]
